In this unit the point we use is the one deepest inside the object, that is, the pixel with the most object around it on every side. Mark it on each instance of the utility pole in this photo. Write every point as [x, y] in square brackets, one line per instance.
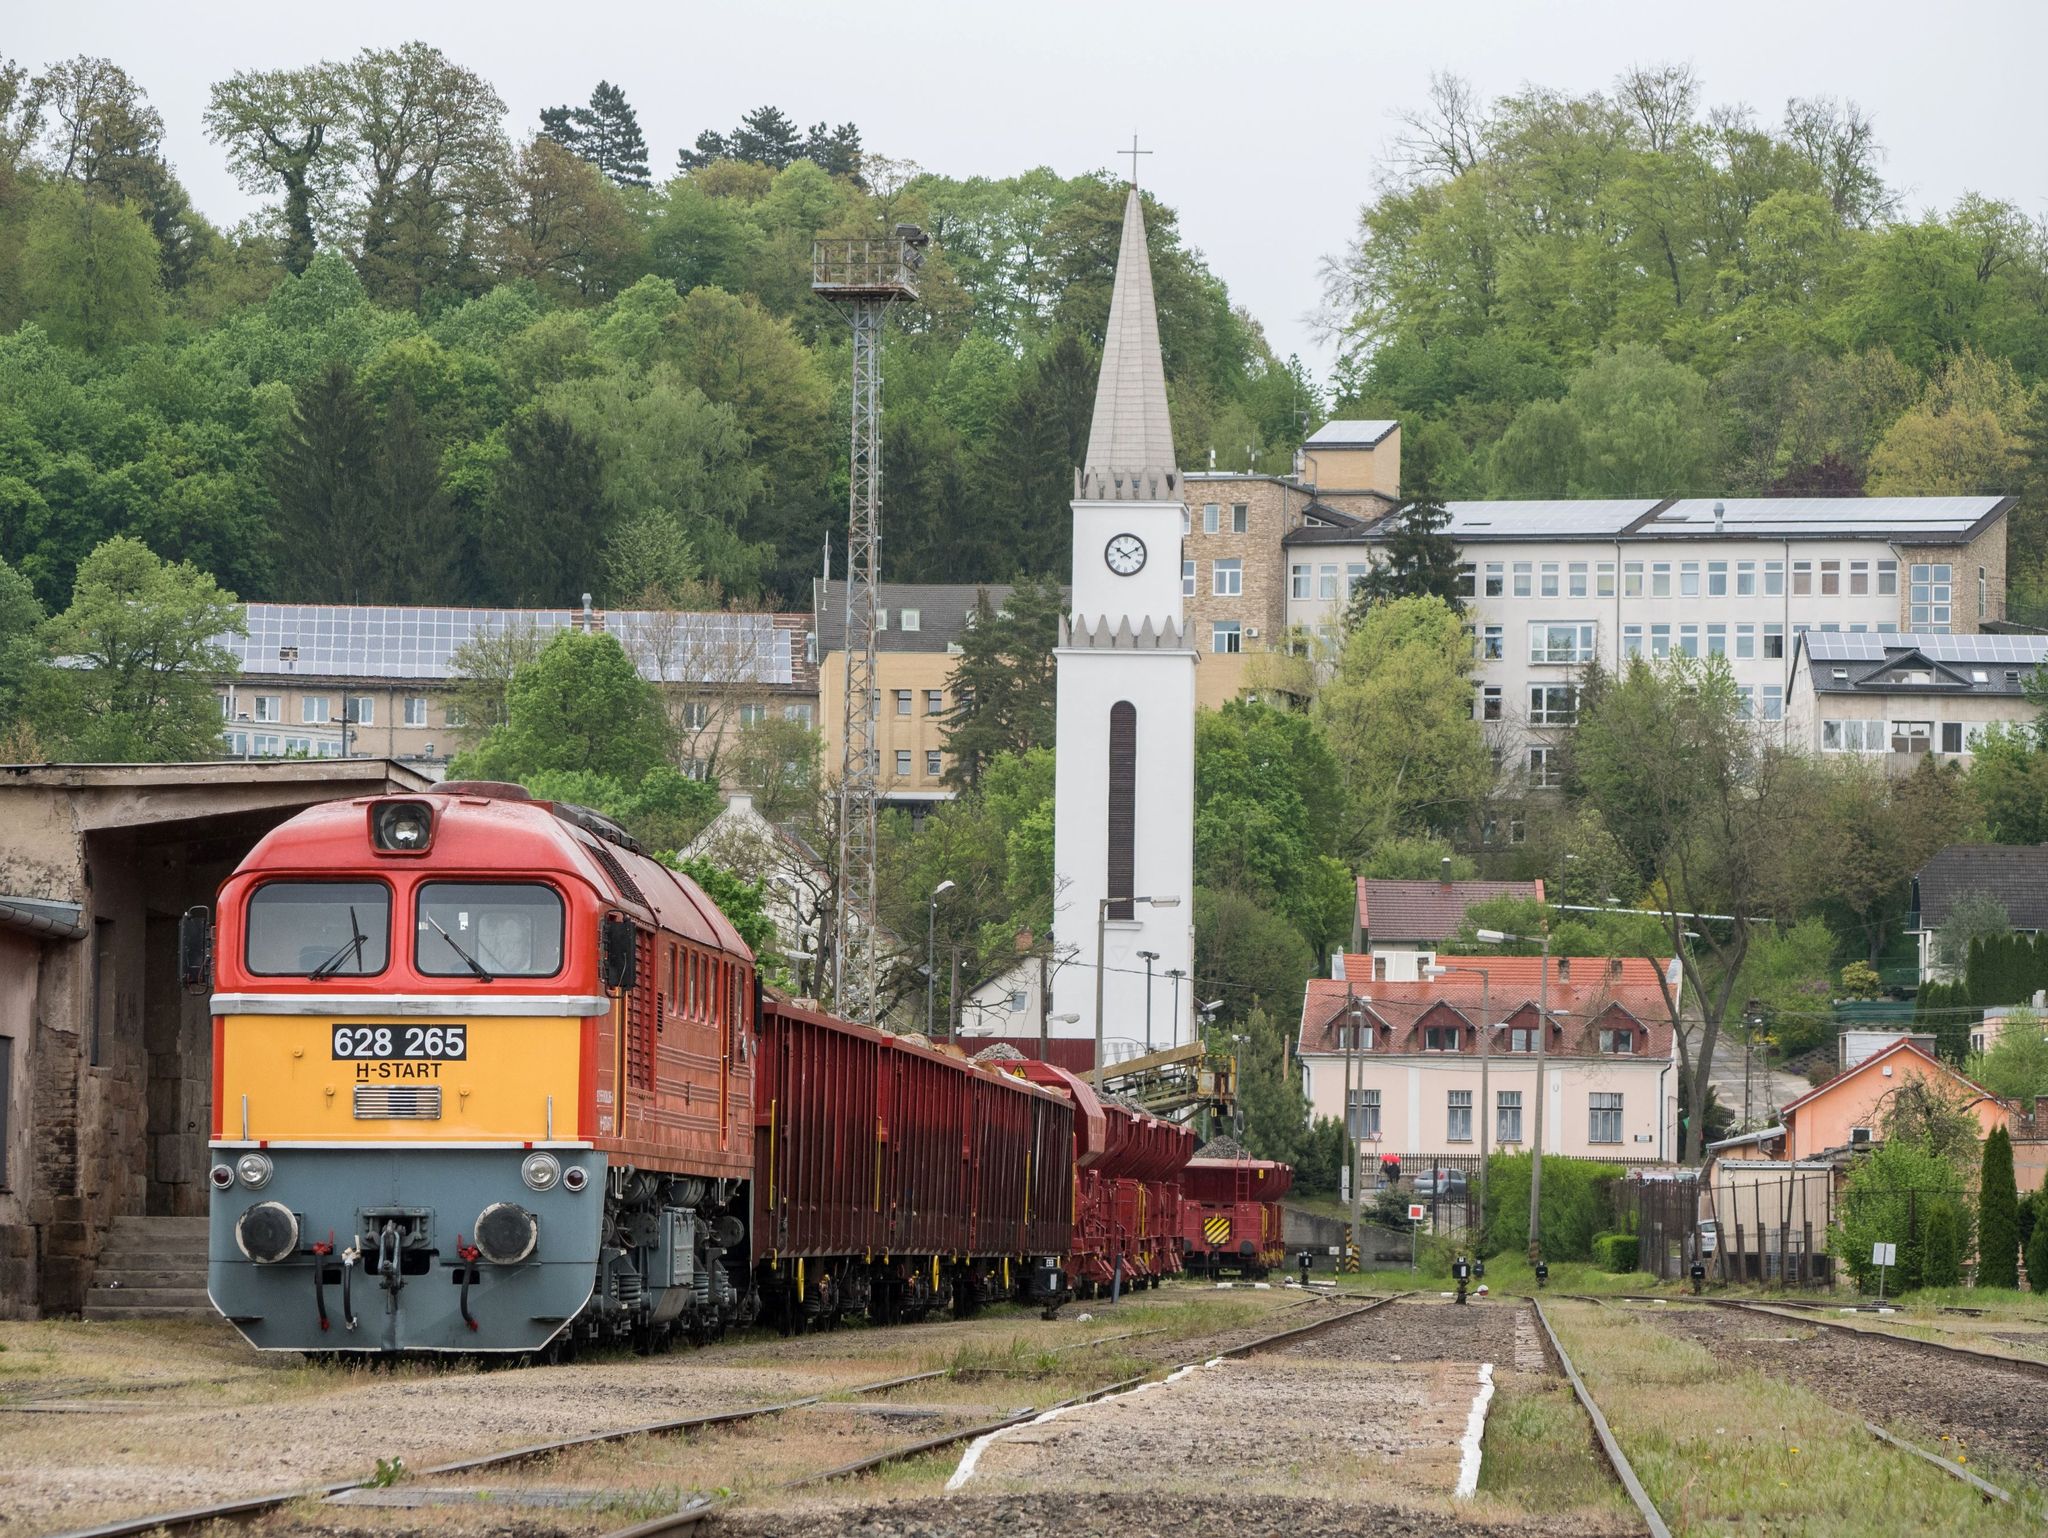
[866, 276]
[1542, 1094]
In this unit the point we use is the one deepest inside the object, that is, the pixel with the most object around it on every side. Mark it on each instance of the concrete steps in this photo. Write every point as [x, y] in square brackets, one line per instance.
[151, 1268]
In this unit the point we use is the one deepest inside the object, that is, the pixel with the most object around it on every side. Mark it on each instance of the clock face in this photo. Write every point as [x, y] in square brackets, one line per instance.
[1125, 554]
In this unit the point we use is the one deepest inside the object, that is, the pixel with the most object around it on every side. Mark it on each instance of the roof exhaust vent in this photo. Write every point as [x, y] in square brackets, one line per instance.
[1720, 515]
[1445, 867]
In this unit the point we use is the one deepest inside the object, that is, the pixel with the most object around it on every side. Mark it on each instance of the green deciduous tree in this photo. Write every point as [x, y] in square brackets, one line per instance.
[287, 131]
[1888, 1199]
[580, 707]
[1998, 1236]
[135, 659]
[89, 270]
[1246, 955]
[2015, 1065]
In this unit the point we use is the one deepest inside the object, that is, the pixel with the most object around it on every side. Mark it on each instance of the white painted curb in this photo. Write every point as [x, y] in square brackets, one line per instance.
[1475, 1428]
[972, 1457]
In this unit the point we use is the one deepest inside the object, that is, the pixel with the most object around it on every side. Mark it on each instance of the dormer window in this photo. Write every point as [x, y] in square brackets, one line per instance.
[1440, 1038]
[1618, 1043]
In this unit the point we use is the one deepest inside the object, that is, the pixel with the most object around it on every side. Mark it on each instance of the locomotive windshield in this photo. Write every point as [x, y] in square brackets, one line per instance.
[319, 929]
[488, 930]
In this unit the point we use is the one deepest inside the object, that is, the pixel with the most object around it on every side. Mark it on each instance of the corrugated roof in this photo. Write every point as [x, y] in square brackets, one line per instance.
[1584, 990]
[1907, 520]
[1427, 910]
[2015, 874]
[1355, 433]
[419, 643]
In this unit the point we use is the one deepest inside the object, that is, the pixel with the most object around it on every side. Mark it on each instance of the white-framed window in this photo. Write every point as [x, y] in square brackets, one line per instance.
[1774, 702]
[1631, 640]
[1493, 646]
[1660, 579]
[1717, 640]
[801, 713]
[1225, 636]
[302, 747]
[1553, 704]
[1746, 693]
[1688, 579]
[1297, 581]
[1888, 577]
[1745, 642]
[1604, 1116]
[1774, 578]
[1802, 579]
[934, 763]
[1545, 773]
[1717, 579]
[1913, 736]
[1496, 579]
[1212, 518]
[1546, 586]
[1521, 1038]
[236, 743]
[1240, 517]
[1575, 577]
[227, 706]
[1187, 579]
[1227, 579]
[1859, 576]
[1603, 580]
[315, 709]
[1631, 579]
[902, 698]
[1440, 1038]
[696, 715]
[1689, 640]
[1561, 641]
[1660, 640]
[935, 702]
[1365, 1113]
[882, 619]
[903, 763]
[1326, 581]
[1018, 999]
[1525, 579]
[1489, 702]
[1354, 573]
[1458, 1114]
[1831, 577]
[910, 619]
[751, 714]
[1618, 1042]
[415, 710]
[1468, 580]
[266, 745]
[1745, 579]
[1774, 639]
[1507, 1126]
[1930, 598]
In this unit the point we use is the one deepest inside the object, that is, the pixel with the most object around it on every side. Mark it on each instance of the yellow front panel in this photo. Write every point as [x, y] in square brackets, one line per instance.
[298, 1091]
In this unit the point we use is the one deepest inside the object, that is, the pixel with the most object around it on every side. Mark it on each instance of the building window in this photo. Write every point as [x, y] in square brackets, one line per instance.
[1123, 808]
[1212, 518]
[1545, 772]
[1228, 579]
[1458, 1128]
[1717, 579]
[1631, 640]
[1468, 580]
[696, 715]
[1983, 591]
[1951, 736]
[1297, 582]
[1745, 579]
[1225, 636]
[416, 710]
[1567, 642]
[1524, 579]
[1774, 702]
[1575, 580]
[1660, 640]
[227, 707]
[1494, 644]
[1603, 580]
[750, 714]
[1831, 577]
[910, 619]
[882, 619]
[1929, 600]
[1240, 517]
[1631, 579]
[1522, 1038]
[1605, 1118]
[934, 763]
[1617, 1043]
[1553, 705]
[1774, 640]
[1688, 579]
[1859, 576]
[1547, 586]
[1440, 1038]
[903, 763]
[1888, 577]
[1746, 695]
[1365, 1113]
[315, 710]
[1326, 581]
[1496, 579]
[902, 701]
[1507, 1127]
[801, 714]
[1802, 578]
[269, 707]
[1717, 640]
[1689, 640]
[1912, 736]
[1745, 642]
[1774, 578]
[1660, 579]
[1187, 579]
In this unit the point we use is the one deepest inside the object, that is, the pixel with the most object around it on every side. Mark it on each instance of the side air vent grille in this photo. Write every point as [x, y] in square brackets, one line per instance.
[398, 1102]
[617, 872]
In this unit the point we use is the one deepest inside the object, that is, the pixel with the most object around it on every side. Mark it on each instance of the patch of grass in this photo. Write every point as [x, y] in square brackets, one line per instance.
[1722, 1450]
[1538, 1453]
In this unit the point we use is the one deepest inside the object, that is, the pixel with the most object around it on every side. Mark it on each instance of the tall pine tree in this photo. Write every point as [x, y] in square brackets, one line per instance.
[606, 133]
[548, 524]
[1419, 559]
[1003, 682]
[320, 475]
[1998, 1215]
[418, 542]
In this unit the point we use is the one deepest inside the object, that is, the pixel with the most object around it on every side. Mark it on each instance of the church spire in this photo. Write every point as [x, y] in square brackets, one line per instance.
[1130, 442]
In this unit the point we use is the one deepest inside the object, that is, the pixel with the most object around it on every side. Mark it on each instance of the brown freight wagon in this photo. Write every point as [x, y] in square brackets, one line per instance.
[893, 1178]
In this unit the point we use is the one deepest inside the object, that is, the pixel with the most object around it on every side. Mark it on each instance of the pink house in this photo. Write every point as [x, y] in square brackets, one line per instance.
[1420, 1082]
[1847, 1110]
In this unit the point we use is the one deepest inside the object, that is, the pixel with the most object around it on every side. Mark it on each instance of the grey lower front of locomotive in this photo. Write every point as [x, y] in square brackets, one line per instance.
[491, 1250]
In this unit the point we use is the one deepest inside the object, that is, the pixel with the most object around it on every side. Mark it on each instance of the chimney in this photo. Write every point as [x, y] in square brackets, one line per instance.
[1337, 966]
[1720, 515]
[586, 614]
[1445, 869]
[1564, 969]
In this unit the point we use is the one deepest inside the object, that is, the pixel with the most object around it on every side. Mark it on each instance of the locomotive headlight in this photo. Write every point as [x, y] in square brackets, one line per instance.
[255, 1170]
[541, 1171]
[402, 827]
[221, 1176]
[575, 1178]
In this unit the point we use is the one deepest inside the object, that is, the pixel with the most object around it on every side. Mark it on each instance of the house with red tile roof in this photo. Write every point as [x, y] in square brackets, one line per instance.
[1401, 923]
[1428, 1058]
[1848, 1111]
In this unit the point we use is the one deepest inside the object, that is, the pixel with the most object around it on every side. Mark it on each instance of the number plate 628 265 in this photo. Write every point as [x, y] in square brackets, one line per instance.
[417, 1043]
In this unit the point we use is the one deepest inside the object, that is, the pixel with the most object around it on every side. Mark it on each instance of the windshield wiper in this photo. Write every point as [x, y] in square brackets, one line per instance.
[468, 960]
[352, 949]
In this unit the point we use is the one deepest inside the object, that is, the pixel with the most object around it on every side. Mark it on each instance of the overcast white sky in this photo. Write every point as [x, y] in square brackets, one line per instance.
[1268, 119]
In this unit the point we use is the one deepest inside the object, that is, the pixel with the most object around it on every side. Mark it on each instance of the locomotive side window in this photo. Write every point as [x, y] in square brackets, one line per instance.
[488, 929]
[319, 929]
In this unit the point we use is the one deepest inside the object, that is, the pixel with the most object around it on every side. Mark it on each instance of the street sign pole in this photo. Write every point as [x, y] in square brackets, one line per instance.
[1881, 1256]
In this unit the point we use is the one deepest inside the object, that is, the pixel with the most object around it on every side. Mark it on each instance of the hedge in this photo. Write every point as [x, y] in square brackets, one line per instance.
[1615, 1252]
[1577, 1204]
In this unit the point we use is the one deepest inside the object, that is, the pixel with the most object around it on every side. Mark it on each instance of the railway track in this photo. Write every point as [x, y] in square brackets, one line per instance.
[191, 1519]
[1603, 1433]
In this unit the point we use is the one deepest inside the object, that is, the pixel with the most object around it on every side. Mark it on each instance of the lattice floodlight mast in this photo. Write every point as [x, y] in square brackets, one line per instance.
[867, 276]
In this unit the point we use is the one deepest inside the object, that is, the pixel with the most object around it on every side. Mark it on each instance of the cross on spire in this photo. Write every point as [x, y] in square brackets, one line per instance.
[1134, 152]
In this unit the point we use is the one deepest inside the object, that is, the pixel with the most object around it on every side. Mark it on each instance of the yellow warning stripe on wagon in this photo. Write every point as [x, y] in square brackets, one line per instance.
[1216, 1230]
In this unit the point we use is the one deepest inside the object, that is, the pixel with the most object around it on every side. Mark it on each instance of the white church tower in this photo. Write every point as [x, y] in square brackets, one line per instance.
[1125, 784]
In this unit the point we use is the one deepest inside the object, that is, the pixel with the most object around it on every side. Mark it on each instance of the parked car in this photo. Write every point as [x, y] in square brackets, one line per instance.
[1449, 1184]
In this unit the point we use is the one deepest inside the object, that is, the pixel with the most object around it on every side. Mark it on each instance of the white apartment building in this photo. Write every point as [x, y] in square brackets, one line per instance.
[1555, 585]
[1904, 697]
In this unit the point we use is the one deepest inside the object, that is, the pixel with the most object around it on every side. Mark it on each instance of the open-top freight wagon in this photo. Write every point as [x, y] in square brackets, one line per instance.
[1231, 1215]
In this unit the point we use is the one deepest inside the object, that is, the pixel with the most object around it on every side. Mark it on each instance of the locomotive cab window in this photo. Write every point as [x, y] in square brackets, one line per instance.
[488, 929]
[319, 929]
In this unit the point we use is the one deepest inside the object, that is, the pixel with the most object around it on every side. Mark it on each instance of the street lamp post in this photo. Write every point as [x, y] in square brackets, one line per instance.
[1501, 937]
[1148, 957]
[931, 967]
[1174, 975]
[1101, 958]
[1485, 1056]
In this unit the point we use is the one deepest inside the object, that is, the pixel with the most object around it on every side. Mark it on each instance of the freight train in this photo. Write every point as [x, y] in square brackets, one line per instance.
[1231, 1215]
[488, 1078]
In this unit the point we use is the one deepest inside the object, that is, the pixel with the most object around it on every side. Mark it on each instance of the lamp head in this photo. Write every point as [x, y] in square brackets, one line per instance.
[1493, 936]
[941, 890]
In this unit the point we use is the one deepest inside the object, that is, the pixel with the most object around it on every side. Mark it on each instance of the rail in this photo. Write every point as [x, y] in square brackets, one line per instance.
[1616, 1458]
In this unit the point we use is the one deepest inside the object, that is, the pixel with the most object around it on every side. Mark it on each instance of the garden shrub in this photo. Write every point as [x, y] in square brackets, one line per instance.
[1578, 1204]
[1998, 1219]
[1615, 1253]
[1889, 1198]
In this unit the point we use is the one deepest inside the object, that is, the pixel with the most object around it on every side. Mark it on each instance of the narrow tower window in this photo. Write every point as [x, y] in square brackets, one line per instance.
[1123, 806]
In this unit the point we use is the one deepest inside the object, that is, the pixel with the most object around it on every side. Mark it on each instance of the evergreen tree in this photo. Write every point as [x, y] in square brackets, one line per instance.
[1998, 1234]
[547, 524]
[1003, 682]
[1419, 559]
[559, 124]
[2037, 1260]
[606, 133]
[320, 475]
[834, 150]
[1941, 1263]
[418, 544]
